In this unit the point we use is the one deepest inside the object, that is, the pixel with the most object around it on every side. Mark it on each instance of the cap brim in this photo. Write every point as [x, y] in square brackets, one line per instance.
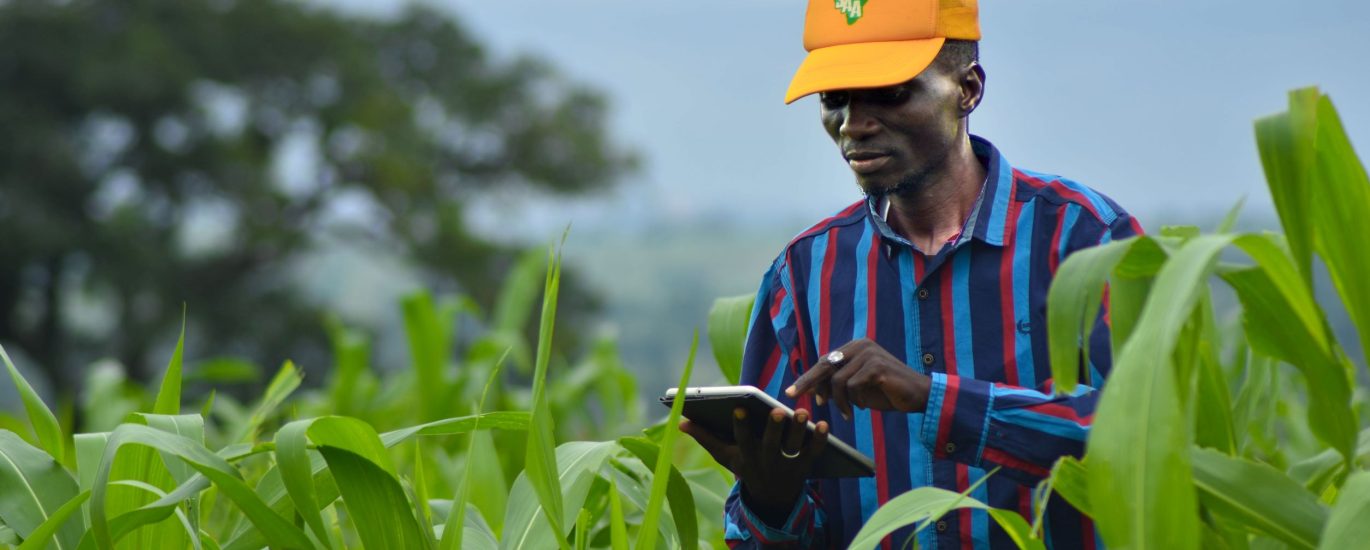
[862, 65]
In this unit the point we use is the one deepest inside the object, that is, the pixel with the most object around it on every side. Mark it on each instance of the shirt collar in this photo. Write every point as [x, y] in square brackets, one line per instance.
[988, 216]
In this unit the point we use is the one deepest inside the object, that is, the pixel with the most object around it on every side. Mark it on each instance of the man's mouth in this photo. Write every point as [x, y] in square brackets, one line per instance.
[866, 162]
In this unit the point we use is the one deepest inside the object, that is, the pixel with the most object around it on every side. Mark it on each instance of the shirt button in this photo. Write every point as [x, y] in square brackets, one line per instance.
[923, 293]
[951, 448]
[928, 358]
[942, 526]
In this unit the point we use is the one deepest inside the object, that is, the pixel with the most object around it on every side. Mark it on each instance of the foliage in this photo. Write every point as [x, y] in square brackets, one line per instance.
[381, 478]
[197, 150]
[1208, 437]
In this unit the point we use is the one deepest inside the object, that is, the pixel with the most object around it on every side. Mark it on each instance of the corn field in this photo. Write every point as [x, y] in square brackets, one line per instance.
[1209, 434]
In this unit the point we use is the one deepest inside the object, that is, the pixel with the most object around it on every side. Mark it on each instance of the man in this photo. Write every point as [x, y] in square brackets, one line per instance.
[912, 323]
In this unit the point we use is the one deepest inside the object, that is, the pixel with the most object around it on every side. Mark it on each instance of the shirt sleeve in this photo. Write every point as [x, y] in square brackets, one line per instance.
[769, 362]
[1021, 430]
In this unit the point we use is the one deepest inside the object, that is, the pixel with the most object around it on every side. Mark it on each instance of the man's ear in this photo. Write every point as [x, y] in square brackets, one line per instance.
[972, 87]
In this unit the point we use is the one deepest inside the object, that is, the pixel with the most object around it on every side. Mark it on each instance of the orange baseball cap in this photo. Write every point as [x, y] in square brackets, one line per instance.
[874, 43]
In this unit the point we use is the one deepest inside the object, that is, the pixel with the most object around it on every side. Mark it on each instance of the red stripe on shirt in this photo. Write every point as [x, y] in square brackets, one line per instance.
[1004, 459]
[963, 515]
[1054, 256]
[944, 416]
[768, 371]
[1006, 310]
[805, 357]
[948, 324]
[1061, 411]
[1025, 502]
[825, 311]
[877, 419]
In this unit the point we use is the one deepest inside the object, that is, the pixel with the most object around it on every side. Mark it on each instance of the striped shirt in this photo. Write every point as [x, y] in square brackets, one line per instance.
[972, 316]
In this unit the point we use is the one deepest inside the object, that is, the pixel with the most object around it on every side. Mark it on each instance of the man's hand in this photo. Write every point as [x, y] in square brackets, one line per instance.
[773, 470]
[867, 376]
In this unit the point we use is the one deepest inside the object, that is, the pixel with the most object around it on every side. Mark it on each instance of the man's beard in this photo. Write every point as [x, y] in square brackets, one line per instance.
[906, 185]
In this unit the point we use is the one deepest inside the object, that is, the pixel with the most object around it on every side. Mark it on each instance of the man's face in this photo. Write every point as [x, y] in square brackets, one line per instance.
[893, 137]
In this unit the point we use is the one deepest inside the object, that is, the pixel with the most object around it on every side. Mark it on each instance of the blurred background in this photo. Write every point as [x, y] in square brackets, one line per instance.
[282, 168]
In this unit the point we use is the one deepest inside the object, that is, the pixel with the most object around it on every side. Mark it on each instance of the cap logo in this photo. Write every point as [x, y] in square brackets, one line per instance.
[853, 9]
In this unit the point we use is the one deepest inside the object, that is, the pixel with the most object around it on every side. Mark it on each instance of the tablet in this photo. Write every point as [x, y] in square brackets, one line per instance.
[712, 407]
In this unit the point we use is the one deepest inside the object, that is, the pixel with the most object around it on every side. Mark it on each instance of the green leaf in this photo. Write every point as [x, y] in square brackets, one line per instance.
[1340, 212]
[646, 537]
[1285, 142]
[1138, 447]
[191, 533]
[169, 397]
[525, 522]
[284, 383]
[1074, 300]
[500, 420]
[454, 529]
[375, 501]
[351, 355]
[90, 449]
[33, 487]
[1071, 480]
[634, 482]
[728, 322]
[1346, 526]
[40, 537]
[1282, 320]
[1317, 472]
[582, 527]
[1230, 220]
[1129, 287]
[678, 492]
[1212, 408]
[928, 503]
[429, 344]
[479, 534]
[277, 530]
[143, 464]
[540, 462]
[618, 526]
[40, 416]
[1258, 497]
[293, 461]
[271, 488]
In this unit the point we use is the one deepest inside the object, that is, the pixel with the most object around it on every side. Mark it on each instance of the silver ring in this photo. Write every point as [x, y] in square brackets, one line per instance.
[786, 454]
[835, 357]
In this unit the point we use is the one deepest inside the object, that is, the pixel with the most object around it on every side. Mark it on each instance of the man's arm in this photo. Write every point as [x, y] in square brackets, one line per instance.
[1022, 430]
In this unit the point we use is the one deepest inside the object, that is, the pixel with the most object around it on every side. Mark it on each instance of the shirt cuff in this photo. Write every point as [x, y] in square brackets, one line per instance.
[794, 529]
[957, 418]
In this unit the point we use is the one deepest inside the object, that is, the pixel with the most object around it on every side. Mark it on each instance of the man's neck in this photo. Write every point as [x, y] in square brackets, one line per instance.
[931, 214]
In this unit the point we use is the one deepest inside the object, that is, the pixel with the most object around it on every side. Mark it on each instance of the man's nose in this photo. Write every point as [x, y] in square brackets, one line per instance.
[858, 122]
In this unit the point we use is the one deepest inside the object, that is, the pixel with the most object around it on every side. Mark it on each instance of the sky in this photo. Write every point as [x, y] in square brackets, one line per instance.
[1150, 102]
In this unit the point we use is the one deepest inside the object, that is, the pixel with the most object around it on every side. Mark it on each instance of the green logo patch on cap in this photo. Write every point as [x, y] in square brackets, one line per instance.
[853, 9]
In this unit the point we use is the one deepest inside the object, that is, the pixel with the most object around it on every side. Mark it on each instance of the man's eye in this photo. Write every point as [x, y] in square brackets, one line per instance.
[834, 100]
[889, 96]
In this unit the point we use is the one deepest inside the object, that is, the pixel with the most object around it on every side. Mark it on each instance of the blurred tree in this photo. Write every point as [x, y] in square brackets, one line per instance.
[154, 152]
